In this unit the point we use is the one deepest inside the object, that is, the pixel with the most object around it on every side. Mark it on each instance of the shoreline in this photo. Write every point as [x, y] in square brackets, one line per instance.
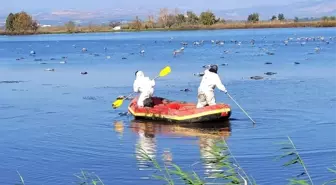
[222, 26]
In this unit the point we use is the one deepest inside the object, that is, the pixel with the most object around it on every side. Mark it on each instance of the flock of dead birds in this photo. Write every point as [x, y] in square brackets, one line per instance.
[301, 40]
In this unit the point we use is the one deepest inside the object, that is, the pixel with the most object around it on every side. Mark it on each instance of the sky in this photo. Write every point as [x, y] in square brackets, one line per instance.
[87, 5]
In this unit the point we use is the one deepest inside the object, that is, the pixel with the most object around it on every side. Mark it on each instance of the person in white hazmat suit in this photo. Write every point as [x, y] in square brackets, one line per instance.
[210, 80]
[145, 87]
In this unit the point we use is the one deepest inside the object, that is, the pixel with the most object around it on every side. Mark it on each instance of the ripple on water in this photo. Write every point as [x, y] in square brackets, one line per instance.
[11, 82]
[20, 90]
[60, 86]
[93, 98]
[4, 117]
[6, 106]
[105, 87]
[50, 112]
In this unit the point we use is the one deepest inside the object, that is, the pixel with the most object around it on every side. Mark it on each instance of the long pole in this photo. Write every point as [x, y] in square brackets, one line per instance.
[240, 108]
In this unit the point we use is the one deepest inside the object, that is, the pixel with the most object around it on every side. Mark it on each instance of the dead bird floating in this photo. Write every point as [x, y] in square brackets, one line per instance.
[256, 77]
[270, 73]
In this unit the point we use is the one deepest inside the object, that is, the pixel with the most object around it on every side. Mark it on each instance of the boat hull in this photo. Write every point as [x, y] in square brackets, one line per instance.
[179, 112]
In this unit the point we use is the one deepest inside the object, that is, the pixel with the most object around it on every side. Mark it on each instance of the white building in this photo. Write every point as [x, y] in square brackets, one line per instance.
[117, 28]
[45, 25]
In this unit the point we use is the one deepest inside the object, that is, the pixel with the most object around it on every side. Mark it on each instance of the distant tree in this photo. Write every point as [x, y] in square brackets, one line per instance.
[113, 24]
[163, 17]
[150, 22]
[192, 18]
[22, 22]
[35, 25]
[274, 18]
[253, 17]
[91, 27]
[171, 20]
[325, 18]
[219, 20]
[136, 24]
[296, 19]
[180, 19]
[281, 17]
[9, 22]
[207, 18]
[70, 26]
[167, 19]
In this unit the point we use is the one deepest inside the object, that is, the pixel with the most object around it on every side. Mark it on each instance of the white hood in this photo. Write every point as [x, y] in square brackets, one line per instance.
[140, 74]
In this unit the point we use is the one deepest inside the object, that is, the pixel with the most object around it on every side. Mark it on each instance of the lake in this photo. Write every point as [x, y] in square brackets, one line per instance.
[56, 123]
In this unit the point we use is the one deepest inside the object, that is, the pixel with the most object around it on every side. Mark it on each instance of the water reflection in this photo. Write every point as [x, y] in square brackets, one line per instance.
[146, 143]
[208, 134]
[119, 128]
[211, 130]
[208, 156]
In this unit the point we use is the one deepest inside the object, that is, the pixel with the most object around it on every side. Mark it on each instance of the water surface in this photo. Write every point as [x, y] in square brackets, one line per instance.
[53, 124]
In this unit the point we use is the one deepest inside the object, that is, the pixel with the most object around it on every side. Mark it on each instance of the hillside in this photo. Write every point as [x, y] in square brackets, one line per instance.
[308, 8]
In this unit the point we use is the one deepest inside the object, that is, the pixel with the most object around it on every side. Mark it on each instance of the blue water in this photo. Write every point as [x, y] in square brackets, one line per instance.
[55, 124]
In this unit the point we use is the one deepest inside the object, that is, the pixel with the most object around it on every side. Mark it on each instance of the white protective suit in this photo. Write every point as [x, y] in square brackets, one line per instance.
[206, 94]
[144, 86]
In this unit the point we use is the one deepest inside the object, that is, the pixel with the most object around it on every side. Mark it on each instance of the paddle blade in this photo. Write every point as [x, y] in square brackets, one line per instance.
[165, 71]
[117, 103]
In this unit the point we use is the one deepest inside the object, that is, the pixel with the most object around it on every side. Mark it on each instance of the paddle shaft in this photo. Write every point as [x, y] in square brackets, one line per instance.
[240, 107]
[129, 95]
[156, 77]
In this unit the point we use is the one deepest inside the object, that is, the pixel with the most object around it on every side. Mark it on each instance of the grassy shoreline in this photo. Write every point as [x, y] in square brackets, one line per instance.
[219, 26]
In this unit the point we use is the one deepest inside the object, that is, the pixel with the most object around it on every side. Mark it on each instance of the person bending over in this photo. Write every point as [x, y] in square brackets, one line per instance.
[210, 81]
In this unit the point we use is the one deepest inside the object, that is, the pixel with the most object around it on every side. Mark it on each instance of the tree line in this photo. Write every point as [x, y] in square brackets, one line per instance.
[168, 19]
[255, 17]
[21, 22]
[331, 18]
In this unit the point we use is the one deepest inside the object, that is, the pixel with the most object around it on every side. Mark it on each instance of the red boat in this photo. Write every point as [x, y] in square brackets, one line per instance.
[175, 111]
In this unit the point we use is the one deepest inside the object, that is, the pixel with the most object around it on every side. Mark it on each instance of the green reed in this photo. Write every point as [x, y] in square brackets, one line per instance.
[291, 153]
[84, 178]
[88, 178]
[227, 169]
[166, 174]
[229, 172]
[333, 181]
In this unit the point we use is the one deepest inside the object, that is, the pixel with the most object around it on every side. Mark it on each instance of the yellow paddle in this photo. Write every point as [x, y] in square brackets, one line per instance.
[164, 72]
